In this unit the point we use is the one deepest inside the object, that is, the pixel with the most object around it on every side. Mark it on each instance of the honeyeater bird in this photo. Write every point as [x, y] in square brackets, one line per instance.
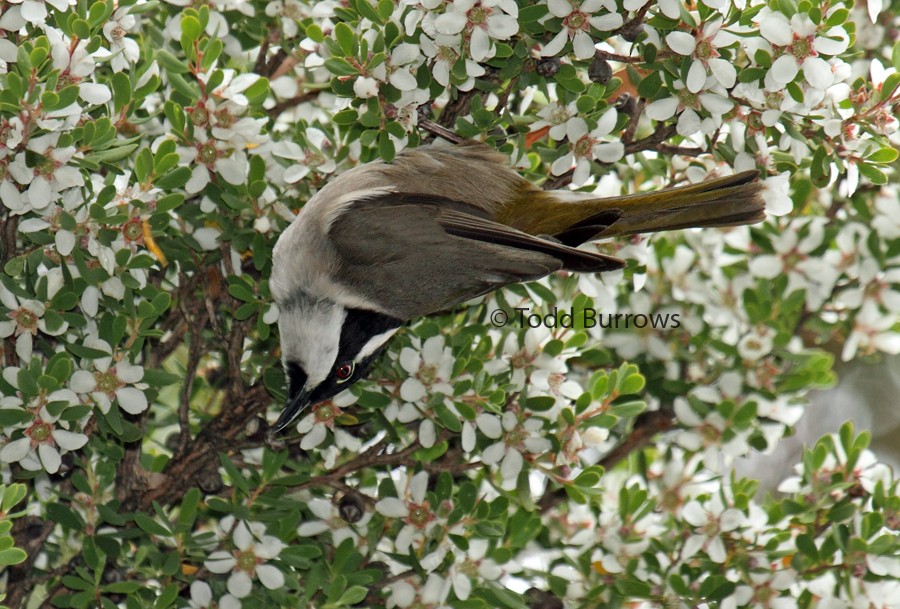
[387, 242]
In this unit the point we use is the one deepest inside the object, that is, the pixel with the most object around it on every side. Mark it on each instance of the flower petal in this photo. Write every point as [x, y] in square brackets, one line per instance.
[682, 43]
[270, 576]
[132, 400]
[69, 440]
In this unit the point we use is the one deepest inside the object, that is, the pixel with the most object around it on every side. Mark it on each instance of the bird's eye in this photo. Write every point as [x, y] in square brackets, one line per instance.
[344, 371]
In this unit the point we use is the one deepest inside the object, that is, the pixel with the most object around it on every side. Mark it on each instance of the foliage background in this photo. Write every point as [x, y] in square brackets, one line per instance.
[150, 154]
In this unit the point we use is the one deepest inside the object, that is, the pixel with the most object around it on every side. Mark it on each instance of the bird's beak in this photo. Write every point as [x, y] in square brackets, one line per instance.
[296, 404]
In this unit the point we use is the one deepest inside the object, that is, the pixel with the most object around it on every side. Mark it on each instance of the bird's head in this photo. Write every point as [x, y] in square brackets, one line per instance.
[326, 348]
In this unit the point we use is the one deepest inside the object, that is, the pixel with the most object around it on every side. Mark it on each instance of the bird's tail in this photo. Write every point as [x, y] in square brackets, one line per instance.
[728, 201]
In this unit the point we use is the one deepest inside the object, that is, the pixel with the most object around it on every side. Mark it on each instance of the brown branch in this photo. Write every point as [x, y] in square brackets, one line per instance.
[260, 65]
[503, 98]
[190, 463]
[560, 181]
[646, 426]
[9, 232]
[682, 150]
[617, 57]
[652, 141]
[281, 106]
[440, 131]
[374, 457]
[456, 108]
[634, 108]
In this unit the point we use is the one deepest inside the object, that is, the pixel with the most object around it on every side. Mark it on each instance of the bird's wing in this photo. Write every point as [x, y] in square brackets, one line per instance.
[415, 254]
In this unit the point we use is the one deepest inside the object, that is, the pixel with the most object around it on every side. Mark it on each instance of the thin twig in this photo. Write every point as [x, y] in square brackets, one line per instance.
[440, 131]
[281, 106]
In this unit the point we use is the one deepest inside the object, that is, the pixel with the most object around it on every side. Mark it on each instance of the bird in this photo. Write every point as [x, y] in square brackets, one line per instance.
[388, 242]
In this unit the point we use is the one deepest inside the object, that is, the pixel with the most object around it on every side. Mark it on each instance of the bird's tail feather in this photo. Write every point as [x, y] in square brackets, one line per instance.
[728, 201]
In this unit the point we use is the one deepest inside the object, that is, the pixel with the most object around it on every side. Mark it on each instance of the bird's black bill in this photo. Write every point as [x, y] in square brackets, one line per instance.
[295, 406]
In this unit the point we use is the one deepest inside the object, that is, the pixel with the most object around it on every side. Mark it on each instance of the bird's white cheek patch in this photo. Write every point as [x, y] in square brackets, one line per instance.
[374, 344]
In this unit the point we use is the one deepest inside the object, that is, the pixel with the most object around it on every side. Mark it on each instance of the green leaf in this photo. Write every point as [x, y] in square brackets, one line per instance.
[838, 17]
[345, 38]
[190, 27]
[885, 155]
[174, 179]
[589, 478]
[12, 556]
[340, 67]
[873, 174]
[12, 495]
[63, 515]
[628, 410]
[649, 86]
[541, 403]
[258, 91]
[385, 9]
[121, 89]
[148, 525]
[386, 150]
[168, 596]
[171, 63]
[81, 28]
[13, 416]
[807, 546]
[631, 384]
[353, 595]
[111, 155]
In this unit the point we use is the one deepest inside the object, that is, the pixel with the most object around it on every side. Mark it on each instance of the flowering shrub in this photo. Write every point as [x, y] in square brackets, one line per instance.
[151, 153]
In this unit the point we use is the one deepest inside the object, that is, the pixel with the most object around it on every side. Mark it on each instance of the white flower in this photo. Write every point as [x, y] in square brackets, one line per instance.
[712, 520]
[690, 105]
[290, 12]
[586, 147]
[316, 424]
[49, 176]
[44, 439]
[777, 194]
[518, 437]
[24, 318]
[430, 368]
[414, 510]
[756, 344]
[872, 331]
[577, 23]
[249, 560]
[446, 51]
[799, 43]
[557, 117]
[315, 155]
[124, 51]
[703, 47]
[108, 381]
[481, 22]
[404, 60]
[213, 157]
